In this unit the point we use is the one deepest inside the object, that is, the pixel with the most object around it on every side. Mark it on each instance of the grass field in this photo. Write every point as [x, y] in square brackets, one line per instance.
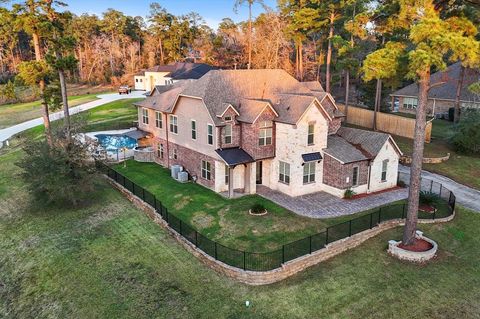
[227, 221]
[11, 114]
[110, 261]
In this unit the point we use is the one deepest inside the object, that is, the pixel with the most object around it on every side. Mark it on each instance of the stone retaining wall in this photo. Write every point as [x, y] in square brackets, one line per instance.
[289, 268]
[426, 160]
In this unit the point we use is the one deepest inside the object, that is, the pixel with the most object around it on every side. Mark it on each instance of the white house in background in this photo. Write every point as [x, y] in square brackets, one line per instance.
[234, 130]
[168, 74]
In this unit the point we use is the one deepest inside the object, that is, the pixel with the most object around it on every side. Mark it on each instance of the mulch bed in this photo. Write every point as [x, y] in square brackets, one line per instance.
[427, 208]
[374, 193]
[419, 245]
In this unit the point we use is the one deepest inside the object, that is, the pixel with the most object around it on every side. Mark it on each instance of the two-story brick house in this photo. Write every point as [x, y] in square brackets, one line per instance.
[233, 130]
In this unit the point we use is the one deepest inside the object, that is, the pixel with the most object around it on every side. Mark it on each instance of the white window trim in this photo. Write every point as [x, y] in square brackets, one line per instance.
[207, 168]
[210, 135]
[193, 130]
[309, 174]
[145, 116]
[311, 134]
[284, 172]
[265, 132]
[230, 135]
[384, 170]
[355, 183]
[171, 125]
[158, 119]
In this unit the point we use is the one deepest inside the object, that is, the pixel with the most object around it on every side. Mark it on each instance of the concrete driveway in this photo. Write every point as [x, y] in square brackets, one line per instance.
[466, 196]
[8, 132]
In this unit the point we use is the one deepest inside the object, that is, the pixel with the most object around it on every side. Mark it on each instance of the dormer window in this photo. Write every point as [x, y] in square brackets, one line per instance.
[228, 118]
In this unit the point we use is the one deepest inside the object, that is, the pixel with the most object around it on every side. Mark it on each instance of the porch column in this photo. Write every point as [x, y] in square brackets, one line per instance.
[230, 181]
[249, 179]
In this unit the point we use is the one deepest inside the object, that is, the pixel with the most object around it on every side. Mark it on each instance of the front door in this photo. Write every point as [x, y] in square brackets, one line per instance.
[259, 172]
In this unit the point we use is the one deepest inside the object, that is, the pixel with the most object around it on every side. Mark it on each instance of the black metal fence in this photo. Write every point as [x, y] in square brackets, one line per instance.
[270, 260]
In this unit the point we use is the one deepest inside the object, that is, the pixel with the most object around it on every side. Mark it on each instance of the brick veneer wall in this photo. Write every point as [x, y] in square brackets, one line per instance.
[250, 134]
[236, 131]
[335, 173]
[288, 269]
[334, 125]
[189, 159]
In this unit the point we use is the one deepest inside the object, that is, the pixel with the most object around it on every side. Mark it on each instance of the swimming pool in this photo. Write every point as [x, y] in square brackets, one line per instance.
[112, 142]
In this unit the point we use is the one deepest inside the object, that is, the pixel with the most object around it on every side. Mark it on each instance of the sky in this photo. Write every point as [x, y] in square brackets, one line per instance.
[213, 11]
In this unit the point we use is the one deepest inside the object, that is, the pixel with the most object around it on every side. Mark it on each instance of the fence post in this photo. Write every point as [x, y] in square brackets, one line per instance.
[181, 227]
[244, 260]
[283, 254]
[433, 216]
[350, 228]
[403, 211]
[116, 175]
[380, 215]
[215, 250]
[143, 194]
[133, 188]
[196, 238]
[310, 244]
[431, 185]
[371, 220]
[326, 237]
[441, 187]
[166, 214]
[155, 202]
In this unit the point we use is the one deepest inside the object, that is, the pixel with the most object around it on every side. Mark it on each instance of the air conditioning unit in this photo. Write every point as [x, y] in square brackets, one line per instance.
[175, 169]
[182, 177]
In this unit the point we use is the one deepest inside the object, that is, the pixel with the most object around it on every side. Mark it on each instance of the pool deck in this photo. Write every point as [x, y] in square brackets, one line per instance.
[111, 156]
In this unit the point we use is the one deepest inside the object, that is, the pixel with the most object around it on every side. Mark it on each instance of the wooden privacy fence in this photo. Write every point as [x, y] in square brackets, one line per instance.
[389, 123]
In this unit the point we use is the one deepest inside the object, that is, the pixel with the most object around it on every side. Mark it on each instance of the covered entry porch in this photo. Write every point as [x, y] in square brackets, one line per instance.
[240, 172]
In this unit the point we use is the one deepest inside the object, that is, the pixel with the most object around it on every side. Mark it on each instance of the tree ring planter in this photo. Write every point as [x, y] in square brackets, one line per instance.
[427, 209]
[265, 212]
[395, 250]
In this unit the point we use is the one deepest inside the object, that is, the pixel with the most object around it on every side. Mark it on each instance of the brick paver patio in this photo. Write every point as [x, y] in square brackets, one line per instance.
[324, 205]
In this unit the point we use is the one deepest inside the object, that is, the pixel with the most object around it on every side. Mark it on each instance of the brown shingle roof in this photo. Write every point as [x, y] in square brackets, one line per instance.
[448, 90]
[352, 145]
[248, 91]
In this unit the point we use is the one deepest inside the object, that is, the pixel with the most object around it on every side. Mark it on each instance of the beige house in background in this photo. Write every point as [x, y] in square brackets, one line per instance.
[235, 130]
[161, 75]
[442, 96]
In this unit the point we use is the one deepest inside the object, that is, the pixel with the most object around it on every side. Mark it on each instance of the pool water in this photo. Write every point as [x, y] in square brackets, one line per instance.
[115, 142]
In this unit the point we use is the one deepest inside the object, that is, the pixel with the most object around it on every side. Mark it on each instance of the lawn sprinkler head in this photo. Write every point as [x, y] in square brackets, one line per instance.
[247, 303]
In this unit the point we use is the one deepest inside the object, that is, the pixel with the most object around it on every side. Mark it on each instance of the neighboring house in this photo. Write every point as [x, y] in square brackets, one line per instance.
[442, 96]
[234, 130]
[168, 74]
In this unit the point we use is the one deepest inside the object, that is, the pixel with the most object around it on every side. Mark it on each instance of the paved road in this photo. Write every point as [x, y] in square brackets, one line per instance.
[466, 196]
[8, 132]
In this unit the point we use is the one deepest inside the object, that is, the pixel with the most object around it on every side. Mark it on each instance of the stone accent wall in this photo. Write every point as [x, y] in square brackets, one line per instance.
[250, 134]
[335, 173]
[288, 269]
[405, 159]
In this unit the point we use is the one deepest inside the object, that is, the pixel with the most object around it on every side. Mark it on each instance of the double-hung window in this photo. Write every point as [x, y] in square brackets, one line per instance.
[311, 134]
[227, 175]
[194, 130]
[160, 150]
[384, 170]
[228, 134]
[309, 172]
[175, 154]
[284, 173]
[174, 124]
[265, 137]
[206, 170]
[210, 134]
[355, 176]
[158, 120]
[145, 116]
[410, 102]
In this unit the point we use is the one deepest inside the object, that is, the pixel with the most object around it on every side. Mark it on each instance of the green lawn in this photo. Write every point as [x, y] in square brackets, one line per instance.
[110, 261]
[11, 114]
[461, 168]
[227, 220]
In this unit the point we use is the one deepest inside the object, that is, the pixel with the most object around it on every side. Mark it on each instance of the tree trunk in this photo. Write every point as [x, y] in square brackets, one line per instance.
[417, 159]
[347, 92]
[456, 116]
[300, 61]
[249, 35]
[378, 99]
[329, 53]
[162, 57]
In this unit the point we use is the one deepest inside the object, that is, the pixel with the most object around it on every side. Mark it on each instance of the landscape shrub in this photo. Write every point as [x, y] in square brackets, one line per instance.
[61, 174]
[466, 136]
[349, 193]
[257, 209]
[429, 198]
[401, 184]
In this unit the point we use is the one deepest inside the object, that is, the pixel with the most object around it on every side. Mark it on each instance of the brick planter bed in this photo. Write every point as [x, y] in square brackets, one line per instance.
[423, 250]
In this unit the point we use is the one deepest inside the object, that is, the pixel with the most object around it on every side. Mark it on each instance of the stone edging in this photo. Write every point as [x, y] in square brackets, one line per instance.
[290, 268]
[413, 256]
[405, 159]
